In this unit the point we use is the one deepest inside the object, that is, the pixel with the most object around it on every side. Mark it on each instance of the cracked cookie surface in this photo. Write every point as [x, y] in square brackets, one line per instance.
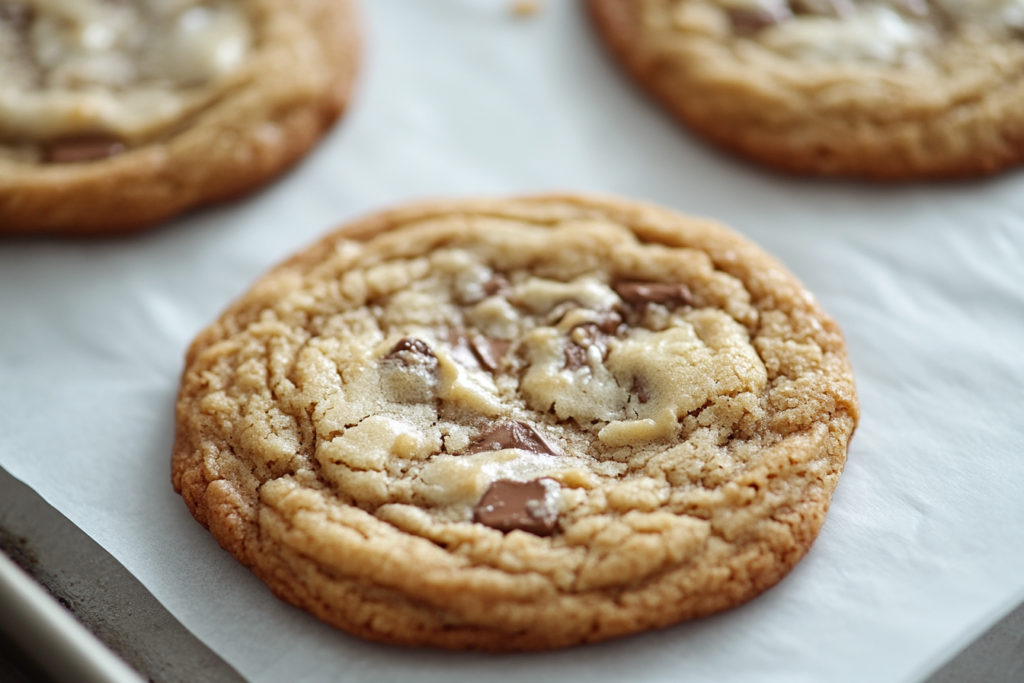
[882, 89]
[115, 115]
[517, 424]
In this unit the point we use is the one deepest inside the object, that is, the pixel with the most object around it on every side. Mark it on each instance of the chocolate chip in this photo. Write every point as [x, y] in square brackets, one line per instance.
[586, 335]
[610, 323]
[461, 351]
[509, 505]
[489, 351]
[575, 356]
[478, 351]
[79, 149]
[408, 373]
[513, 434]
[496, 285]
[749, 21]
[411, 351]
[640, 293]
[639, 390]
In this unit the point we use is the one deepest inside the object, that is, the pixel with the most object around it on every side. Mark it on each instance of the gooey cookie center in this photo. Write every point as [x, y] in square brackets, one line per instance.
[500, 397]
[84, 79]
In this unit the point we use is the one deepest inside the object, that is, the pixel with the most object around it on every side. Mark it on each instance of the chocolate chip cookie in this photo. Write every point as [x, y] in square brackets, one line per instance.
[115, 115]
[521, 424]
[882, 89]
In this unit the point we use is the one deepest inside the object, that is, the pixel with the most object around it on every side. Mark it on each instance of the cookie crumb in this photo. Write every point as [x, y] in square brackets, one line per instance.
[525, 8]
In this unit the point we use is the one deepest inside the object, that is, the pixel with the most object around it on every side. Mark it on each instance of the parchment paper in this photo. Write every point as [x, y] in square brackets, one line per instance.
[924, 544]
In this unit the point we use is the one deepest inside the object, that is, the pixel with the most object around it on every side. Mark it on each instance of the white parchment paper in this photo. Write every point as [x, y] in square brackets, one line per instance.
[924, 545]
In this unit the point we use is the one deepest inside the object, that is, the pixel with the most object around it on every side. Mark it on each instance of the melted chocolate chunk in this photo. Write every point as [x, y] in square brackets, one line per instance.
[79, 149]
[611, 323]
[513, 434]
[640, 293]
[496, 285]
[478, 351]
[586, 335]
[411, 351]
[750, 21]
[461, 351]
[509, 505]
[408, 373]
[575, 356]
[489, 351]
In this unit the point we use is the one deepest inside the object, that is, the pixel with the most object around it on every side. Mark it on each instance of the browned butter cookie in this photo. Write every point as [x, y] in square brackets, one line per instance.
[115, 114]
[882, 89]
[520, 424]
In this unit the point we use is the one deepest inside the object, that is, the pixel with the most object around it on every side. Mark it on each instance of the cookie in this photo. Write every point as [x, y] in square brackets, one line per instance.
[888, 90]
[115, 115]
[514, 425]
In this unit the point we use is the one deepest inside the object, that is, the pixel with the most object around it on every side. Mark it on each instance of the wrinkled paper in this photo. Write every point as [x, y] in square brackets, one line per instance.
[923, 546]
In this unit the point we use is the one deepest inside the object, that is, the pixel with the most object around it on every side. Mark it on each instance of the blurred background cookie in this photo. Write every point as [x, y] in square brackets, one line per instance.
[116, 115]
[893, 89]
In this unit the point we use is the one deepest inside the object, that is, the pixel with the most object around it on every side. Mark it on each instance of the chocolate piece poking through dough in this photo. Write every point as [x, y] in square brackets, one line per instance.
[585, 335]
[496, 285]
[611, 323]
[408, 372]
[509, 505]
[513, 434]
[640, 293]
[80, 149]
[575, 356]
[489, 351]
[461, 350]
[590, 334]
[411, 351]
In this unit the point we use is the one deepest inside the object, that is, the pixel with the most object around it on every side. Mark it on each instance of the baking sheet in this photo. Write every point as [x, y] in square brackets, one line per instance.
[924, 543]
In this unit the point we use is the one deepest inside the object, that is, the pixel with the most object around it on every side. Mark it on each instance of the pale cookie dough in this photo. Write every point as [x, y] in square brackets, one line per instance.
[881, 89]
[116, 114]
[522, 424]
